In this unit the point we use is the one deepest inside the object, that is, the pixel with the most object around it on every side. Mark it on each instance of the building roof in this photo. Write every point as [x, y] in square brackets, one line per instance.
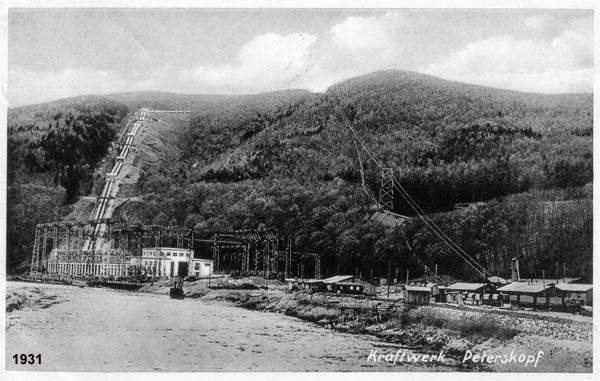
[311, 281]
[387, 218]
[524, 287]
[337, 279]
[459, 286]
[166, 248]
[551, 280]
[575, 287]
[496, 279]
[467, 205]
[417, 289]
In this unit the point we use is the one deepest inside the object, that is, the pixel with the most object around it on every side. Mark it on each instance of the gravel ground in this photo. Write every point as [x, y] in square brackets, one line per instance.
[580, 331]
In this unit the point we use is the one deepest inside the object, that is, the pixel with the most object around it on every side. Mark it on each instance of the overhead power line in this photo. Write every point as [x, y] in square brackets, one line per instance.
[415, 206]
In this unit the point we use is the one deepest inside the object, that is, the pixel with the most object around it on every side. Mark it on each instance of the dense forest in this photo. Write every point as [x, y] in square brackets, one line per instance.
[52, 155]
[519, 165]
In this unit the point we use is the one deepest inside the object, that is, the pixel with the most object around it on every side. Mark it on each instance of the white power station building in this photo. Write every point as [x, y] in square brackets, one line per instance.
[170, 261]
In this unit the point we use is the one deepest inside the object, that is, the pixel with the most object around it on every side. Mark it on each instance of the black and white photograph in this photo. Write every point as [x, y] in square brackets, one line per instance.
[298, 189]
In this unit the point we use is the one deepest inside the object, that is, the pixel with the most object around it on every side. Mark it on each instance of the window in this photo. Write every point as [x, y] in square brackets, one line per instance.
[168, 254]
[207, 265]
[181, 254]
[197, 266]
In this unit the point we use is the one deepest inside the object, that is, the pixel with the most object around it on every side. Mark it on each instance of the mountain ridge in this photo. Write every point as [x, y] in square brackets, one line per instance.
[354, 79]
[287, 160]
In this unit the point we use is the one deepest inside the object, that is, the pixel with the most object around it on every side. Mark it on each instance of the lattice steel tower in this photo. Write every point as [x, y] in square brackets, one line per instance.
[386, 192]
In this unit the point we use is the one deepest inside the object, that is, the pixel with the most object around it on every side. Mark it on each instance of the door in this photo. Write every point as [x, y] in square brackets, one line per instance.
[183, 269]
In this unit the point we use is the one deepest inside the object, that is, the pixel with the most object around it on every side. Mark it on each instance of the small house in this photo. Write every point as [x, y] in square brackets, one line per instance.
[201, 268]
[313, 285]
[434, 287]
[582, 292]
[348, 284]
[530, 293]
[417, 294]
[470, 292]
[390, 219]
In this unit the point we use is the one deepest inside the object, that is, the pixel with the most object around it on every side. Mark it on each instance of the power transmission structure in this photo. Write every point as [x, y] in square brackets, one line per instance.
[386, 192]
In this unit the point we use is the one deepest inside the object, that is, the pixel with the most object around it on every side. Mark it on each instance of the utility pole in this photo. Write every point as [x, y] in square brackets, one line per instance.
[544, 282]
[397, 280]
[564, 272]
[406, 276]
[388, 277]
[556, 271]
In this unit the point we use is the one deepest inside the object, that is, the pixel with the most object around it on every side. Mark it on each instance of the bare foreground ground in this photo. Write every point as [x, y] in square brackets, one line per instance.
[88, 329]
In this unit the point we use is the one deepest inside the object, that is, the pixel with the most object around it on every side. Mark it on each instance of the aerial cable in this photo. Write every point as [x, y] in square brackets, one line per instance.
[362, 173]
[413, 204]
[428, 221]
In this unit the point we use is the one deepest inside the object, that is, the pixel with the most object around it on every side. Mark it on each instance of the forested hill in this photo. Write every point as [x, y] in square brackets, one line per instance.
[448, 142]
[287, 160]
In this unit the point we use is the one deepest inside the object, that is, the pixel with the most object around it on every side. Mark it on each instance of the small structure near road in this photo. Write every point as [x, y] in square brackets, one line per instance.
[530, 293]
[473, 292]
[417, 294]
[313, 285]
[581, 292]
[349, 284]
[339, 284]
[390, 219]
[201, 268]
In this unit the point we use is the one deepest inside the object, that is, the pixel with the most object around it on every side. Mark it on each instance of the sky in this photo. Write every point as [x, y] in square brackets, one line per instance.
[58, 53]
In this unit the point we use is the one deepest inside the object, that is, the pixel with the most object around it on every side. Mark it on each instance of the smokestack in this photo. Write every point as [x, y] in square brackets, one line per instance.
[515, 270]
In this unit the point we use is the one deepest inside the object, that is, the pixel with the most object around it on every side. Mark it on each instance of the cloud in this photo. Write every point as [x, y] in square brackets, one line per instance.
[538, 22]
[562, 64]
[371, 42]
[28, 87]
[352, 47]
[361, 33]
[550, 54]
[267, 62]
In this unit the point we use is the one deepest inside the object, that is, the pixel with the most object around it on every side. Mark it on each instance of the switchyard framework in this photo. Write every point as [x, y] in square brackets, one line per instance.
[104, 246]
[58, 249]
